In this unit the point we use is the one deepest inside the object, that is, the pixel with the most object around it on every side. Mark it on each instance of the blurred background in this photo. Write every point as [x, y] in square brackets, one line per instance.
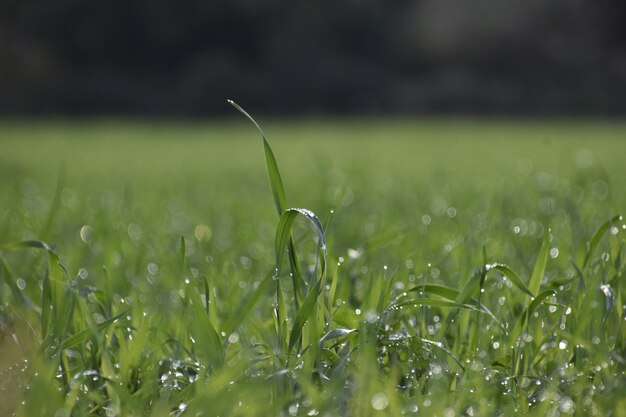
[404, 57]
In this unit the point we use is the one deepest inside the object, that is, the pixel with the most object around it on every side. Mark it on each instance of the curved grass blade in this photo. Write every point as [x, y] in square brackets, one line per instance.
[537, 301]
[283, 236]
[419, 302]
[280, 200]
[336, 334]
[441, 291]
[597, 236]
[283, 233]
[276, 182]
[515, 279]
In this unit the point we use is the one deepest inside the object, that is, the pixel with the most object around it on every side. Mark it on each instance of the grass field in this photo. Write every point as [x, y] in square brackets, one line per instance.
[450, 268]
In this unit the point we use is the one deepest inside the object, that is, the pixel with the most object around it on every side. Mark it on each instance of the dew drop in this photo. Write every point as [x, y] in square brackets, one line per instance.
[21, 283]
[379, 401]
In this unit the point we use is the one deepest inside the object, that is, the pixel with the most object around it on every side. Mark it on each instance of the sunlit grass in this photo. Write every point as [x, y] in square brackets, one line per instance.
[436, 267]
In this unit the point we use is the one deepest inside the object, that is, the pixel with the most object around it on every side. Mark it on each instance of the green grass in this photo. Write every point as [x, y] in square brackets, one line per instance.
[432, 267]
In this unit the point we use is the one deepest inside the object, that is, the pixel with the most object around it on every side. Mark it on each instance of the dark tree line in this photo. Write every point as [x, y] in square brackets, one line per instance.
[353, 56]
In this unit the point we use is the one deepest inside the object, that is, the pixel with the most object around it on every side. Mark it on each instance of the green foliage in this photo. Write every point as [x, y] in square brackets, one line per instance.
[432, 292]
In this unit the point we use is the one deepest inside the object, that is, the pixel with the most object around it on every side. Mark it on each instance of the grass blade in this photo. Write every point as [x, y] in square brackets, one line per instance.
[208, 342]
[433, 302]
[283, 233]
[305, 312]
[276, 182]
[597, 236]
[515, 279]
[441, 291]
[82, 335]
[540, 266]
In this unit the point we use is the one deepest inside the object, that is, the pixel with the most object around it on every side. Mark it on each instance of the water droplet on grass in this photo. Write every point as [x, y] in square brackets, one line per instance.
[202, 232]
[379, 401]
[135, 232]
[21, 283]
[85, 233]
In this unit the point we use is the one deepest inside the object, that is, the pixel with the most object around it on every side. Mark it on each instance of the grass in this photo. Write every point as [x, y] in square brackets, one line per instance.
[433, 267]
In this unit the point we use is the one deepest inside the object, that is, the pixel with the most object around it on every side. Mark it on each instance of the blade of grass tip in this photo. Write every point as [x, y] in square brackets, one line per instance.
[276, 182]
[597, 236]
[55, 204]
[280, 200]
[540, 265]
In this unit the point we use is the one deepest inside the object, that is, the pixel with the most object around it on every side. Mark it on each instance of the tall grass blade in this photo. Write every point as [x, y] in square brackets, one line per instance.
[283, 236]
[305, 312]
[276, 182]
[55, 204]
[280, 201]
[540, 266]
[281, 316]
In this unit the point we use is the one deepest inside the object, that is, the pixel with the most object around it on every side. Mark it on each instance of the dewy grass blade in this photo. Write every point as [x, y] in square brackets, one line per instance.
[281, 316]
[597, 236]
[280, 200]
[441, 291]
[537, 301]
[283, 236]
[283, 233]
[515, 279]
[540, 266]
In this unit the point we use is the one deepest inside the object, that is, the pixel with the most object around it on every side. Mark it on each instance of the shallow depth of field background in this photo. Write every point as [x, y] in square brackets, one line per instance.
[432, 138]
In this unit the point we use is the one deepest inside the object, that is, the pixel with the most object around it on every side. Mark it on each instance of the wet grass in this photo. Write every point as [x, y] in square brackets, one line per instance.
[391, 267]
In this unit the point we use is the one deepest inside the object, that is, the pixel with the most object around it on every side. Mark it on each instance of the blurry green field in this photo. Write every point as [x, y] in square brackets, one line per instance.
[408, 319]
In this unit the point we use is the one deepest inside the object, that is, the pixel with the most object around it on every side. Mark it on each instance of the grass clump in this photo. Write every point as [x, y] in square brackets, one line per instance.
[462, 295]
